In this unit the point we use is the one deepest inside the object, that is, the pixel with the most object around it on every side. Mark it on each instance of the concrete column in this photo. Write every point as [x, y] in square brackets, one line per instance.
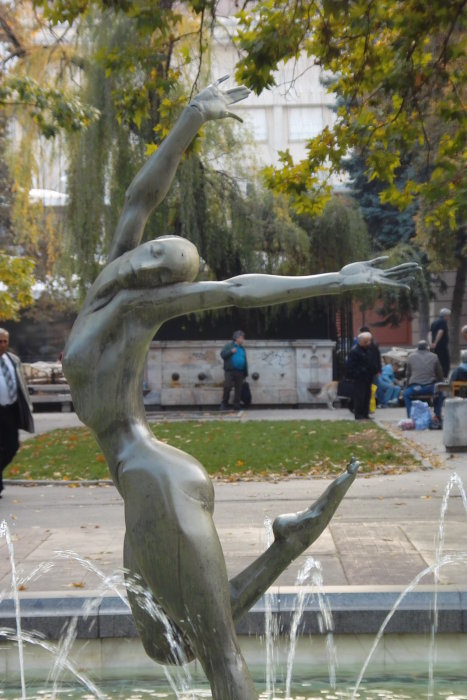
[455, 424]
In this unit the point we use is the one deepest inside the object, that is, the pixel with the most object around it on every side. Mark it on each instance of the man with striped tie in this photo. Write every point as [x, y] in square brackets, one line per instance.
[15, 404]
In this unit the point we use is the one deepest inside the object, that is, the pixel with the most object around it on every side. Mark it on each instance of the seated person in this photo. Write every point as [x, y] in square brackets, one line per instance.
[387, 393]
[423, 372]
[460, 373]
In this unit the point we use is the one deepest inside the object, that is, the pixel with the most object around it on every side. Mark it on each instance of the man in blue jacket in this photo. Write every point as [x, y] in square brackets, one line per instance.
[235, 369]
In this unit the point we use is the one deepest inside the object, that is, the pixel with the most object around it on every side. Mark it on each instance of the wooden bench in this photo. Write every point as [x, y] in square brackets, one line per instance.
[459, 388]
[58, 395]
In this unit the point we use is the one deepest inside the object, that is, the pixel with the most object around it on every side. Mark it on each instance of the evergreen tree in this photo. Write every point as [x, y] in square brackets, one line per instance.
[387, 225]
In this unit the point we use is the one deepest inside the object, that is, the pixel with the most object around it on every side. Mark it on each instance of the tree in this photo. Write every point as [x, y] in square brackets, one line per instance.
[398, 72]
[33, 99]
[396, 66]
[26, 40]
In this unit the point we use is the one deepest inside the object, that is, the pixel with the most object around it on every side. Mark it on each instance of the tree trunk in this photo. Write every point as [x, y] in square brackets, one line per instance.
[424, 313]
[457, 301]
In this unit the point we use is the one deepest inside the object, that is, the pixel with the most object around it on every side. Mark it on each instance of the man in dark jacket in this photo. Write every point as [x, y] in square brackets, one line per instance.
[235, 369]
[439, 334]
[15, 404]
[361, 368]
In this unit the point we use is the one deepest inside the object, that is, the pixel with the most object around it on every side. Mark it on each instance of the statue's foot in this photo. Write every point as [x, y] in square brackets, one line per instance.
[303, 528]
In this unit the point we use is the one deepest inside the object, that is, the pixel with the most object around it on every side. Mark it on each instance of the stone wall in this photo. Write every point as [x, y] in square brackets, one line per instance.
[281, 372]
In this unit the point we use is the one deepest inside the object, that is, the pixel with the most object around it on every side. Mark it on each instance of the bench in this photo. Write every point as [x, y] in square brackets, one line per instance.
[57, 395]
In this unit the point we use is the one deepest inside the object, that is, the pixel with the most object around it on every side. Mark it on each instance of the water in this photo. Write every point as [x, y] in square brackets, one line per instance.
[271, 627]
[313, 568]
[382, 688]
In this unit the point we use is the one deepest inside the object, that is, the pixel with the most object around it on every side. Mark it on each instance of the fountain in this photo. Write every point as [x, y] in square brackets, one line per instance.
[171, 544]
[312, 684]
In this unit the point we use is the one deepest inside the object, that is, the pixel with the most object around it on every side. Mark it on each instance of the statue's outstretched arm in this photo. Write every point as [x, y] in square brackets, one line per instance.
[251, 291]
[260, 290]
[152, 182]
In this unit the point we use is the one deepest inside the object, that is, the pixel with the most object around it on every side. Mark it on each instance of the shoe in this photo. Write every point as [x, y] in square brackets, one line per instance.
[223, 407]
[393, 402]
[436, 424]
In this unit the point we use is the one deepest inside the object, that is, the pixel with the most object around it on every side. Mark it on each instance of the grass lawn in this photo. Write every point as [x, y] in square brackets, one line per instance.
[228, 450]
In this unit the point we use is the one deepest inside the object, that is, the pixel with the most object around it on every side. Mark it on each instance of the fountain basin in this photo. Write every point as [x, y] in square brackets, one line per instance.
[108, 648]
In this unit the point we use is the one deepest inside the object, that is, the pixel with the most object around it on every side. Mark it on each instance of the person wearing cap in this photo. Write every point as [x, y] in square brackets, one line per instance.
[235, 369]
[15, 404]
[439, 340]
[423, 372]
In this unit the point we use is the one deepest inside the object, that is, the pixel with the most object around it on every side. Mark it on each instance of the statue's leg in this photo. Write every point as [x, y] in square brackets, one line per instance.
[163, 641]
[177, 550]
[293, 533]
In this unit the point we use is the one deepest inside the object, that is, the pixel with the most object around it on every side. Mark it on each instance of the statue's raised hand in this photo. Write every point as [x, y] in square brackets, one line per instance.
[367, 273]
[213, 103]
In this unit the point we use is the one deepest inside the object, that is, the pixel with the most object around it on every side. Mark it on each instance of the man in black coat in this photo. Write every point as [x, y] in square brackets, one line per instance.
[439, 337]
[15, 404]
[361, 368]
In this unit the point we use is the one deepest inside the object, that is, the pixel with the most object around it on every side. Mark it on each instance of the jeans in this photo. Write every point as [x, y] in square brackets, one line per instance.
[387, 391]
[415, 390]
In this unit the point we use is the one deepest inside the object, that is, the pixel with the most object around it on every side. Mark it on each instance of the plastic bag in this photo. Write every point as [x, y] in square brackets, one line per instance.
[406, 424]
[421, 415]
[373, 398]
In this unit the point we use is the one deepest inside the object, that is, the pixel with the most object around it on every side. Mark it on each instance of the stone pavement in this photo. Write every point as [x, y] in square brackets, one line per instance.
[67, 540]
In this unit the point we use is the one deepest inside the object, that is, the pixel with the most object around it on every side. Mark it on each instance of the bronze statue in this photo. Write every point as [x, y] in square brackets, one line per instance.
[171, 542]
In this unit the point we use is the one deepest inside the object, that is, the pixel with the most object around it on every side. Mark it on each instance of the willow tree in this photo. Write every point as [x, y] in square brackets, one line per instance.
[138, 68]
[34, 101]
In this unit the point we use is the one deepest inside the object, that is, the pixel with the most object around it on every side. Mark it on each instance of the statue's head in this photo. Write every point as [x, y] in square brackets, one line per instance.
[164, 260]
[157, 263]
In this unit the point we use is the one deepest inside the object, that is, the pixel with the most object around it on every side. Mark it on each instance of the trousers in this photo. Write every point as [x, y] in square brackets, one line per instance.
[413, 391]
[233, 379]
[9, 439]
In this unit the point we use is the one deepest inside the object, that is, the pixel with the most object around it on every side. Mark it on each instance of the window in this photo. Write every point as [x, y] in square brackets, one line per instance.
[255, 119]
[304, 122]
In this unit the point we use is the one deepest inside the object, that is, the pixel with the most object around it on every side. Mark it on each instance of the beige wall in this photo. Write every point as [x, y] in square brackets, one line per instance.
[281, 372]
